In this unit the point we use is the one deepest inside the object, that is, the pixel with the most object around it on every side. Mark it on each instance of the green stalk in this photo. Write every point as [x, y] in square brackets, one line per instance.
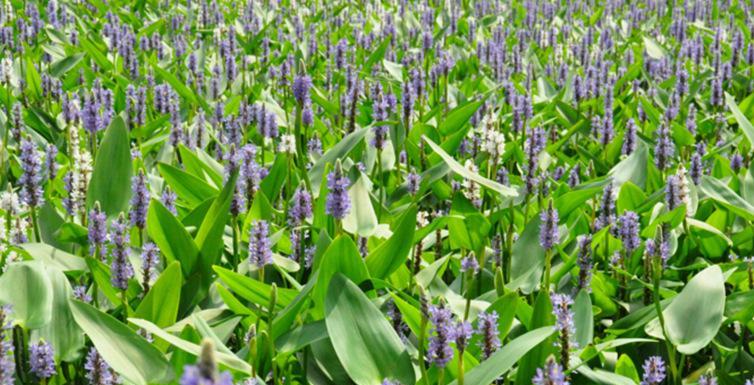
[548, 262]
[669, 345]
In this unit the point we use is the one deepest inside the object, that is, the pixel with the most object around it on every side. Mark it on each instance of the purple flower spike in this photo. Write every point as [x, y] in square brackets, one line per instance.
[260, 249]
[42, 360]
[654, 371]
[121, 269]
[440, 352]
[338, 202]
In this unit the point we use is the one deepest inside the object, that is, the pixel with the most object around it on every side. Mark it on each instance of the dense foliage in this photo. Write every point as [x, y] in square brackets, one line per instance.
[383, 192]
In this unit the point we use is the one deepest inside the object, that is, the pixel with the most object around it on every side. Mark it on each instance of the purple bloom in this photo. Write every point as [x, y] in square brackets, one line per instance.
[606, 216]
[563, 314]
[469, 263]
[301, 207]
[707, 380]
[629, 139]
[440, 352]
[50, 165]
[665, 148]
[260, 248]
[80, 293]
[413, 182]
[7, 363]
[463, 333]
[338, 202]
[98, 372]
[487, 328]
[31, 176]
[42, 360]
[628, 229]
[585, 261]
[654, 371]
[97, 230]
[300, 88]
[168, 200]
[139, 200]
[736, 162]
[90, 115]
[674, 192]
[551, 375]
[121, 269]
[150, 257]
[548, 228]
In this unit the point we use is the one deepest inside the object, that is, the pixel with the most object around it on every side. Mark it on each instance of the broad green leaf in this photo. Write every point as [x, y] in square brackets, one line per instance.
[717, 190]
[62, 66]
[361, 219]
[504, 191]
[230, 361]
[393, 253]
[633, 168]
[741, 119]
[26, 287]
[696, 313]
[253, 290]
[364, 341]
[342, 256]
[503, 360]
[160, 305]
[62, 332]
[458, 117]
[55, 257]
[111, 179]
[626, 368]
[171, 237]
[186, 186]
[528, 259]
[129, 354]
[654, 50]
[338, 151]
[583, 318]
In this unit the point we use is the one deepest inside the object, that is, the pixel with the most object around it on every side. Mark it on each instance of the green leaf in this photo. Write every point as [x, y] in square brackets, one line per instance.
[654, 50]
[391, 254]
[62, 332]
[504, 191]
[342, 256]
[62, 66]
[274, 181]
[458, 117]
[111, 179]
[230, 361]
[338, 151]
[717, 190]
[26, 287]
[583, 318]
[253, 290]
[186, 186]
[361, 219]
[160, 305]
[171, 237]
[696, 313]
[209, 238]
[633, 168]
[55, 257]
[129, 354]
[528, 259]
[503, 360]
[626, 368]
[743, 122]
[364, 341]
